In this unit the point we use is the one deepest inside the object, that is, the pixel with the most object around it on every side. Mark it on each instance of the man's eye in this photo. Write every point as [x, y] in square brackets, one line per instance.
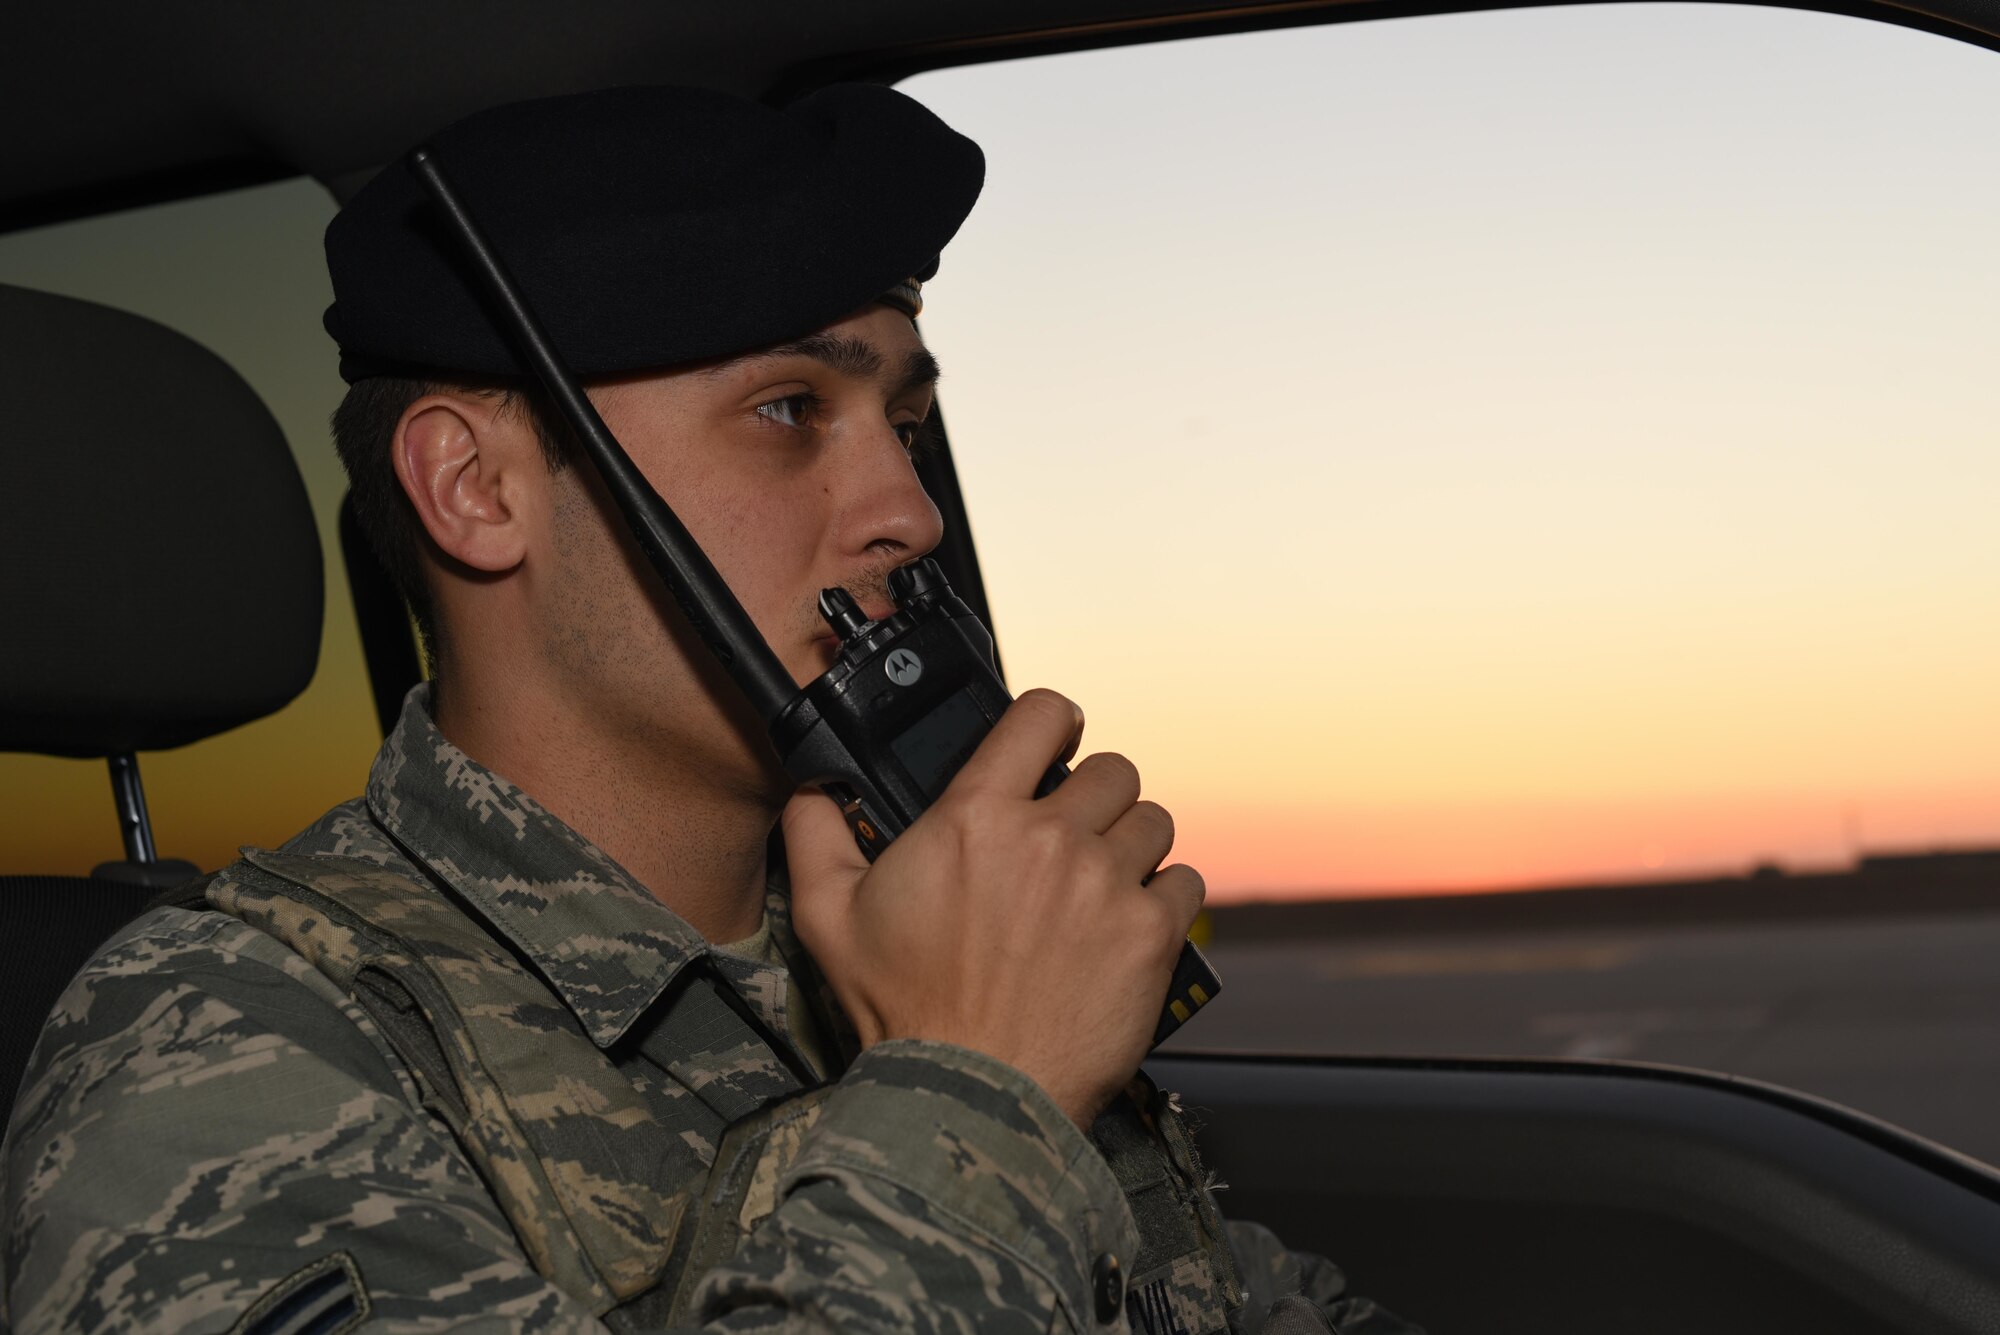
[794, 410]
[917, 438]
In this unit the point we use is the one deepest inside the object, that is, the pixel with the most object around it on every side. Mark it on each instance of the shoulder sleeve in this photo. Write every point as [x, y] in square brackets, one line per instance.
[208, 1139]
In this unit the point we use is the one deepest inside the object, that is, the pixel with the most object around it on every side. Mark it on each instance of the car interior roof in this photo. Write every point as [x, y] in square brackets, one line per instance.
[140, 104]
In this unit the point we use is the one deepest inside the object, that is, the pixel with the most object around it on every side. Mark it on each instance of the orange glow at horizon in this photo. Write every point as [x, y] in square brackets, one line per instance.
[1258, 852]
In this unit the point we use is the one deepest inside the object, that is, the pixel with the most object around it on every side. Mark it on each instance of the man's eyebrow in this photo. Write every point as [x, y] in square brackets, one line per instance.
[920, 371]
[851, 357]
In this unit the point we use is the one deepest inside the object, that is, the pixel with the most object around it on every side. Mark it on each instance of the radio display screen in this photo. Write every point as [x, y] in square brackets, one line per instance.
[935, 746]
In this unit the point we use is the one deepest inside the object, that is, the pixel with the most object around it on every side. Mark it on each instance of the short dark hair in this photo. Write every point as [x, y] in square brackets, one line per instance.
[364, 431]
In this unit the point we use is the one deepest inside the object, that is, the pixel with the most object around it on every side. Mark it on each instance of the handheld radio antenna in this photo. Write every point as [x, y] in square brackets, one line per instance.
[690, 576]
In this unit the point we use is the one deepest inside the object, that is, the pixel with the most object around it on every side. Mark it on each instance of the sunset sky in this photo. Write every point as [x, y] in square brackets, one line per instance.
[1487, 450]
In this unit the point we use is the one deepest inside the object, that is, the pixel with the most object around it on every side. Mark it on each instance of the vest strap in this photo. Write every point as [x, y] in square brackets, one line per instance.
[593, 1186]
[742, 1186]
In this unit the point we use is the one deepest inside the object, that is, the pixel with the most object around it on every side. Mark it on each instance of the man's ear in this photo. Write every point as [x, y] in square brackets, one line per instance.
[459, 461]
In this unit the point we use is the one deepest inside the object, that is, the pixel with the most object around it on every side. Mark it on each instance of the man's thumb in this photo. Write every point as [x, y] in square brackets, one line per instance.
[820, 852]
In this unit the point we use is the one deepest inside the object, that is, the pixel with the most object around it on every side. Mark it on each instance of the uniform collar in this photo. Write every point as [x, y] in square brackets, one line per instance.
[605, 945]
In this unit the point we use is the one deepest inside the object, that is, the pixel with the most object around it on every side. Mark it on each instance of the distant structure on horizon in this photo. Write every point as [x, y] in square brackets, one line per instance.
[1943, 881]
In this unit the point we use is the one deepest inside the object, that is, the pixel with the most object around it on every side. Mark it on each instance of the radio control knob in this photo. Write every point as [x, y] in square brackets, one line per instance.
[842, 613]
[916, 580]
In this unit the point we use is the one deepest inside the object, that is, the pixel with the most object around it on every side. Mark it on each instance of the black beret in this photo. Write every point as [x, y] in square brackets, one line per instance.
[651, 226]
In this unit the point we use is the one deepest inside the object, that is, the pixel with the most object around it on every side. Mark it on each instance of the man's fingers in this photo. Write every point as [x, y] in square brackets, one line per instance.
[1100, 791]
[1141, 837]
[1180, 890]
[1033, 732]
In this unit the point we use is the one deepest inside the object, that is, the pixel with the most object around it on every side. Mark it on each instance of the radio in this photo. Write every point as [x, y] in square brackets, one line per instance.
[908, 698]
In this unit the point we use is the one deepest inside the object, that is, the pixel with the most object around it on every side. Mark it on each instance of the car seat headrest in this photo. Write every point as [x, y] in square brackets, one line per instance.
[160, 574]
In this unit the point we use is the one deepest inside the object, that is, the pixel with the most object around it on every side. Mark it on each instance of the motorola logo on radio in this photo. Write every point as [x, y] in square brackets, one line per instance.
[904, 667]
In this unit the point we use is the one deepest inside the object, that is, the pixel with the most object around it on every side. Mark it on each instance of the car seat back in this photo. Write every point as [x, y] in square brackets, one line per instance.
[162, 584]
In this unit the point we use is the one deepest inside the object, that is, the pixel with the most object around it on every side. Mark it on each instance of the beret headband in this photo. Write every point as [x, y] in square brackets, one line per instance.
[653, 226]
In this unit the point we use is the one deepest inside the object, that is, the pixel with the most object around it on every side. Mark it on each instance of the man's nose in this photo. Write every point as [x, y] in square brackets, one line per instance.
[886, 511]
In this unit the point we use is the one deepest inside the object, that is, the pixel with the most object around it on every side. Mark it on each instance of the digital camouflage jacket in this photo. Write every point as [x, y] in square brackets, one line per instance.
[246, 1115]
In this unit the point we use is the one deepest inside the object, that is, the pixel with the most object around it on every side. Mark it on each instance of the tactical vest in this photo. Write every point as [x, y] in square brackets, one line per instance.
[556, 1130]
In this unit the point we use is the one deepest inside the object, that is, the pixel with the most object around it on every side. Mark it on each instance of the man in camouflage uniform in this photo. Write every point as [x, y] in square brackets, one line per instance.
[447, 1063]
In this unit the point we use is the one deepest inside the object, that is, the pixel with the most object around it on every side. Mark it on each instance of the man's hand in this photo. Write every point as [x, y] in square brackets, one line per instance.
[1014, 927]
